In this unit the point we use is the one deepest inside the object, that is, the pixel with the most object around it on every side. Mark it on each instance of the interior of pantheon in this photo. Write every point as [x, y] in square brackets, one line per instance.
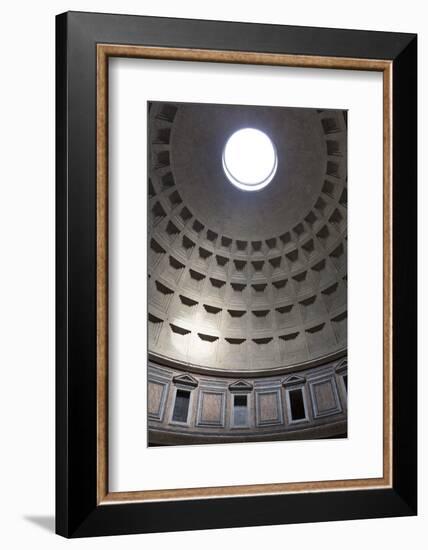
[247, 274]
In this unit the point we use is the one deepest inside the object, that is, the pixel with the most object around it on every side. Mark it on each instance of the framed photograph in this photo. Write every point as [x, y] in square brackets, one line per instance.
[236, 274]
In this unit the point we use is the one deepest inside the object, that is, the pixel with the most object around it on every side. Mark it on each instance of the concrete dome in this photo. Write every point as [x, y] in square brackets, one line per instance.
[246, 283]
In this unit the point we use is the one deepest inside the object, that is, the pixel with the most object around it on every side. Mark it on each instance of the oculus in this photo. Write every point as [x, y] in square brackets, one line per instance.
[250, 159]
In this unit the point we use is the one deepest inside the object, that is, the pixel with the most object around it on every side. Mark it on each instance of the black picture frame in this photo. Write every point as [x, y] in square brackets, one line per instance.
[78, 513]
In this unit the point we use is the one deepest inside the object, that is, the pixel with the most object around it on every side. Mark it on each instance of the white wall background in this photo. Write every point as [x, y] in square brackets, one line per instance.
[27, 271]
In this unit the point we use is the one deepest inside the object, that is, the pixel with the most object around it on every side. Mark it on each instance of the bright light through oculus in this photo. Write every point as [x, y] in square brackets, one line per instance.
[249, 159]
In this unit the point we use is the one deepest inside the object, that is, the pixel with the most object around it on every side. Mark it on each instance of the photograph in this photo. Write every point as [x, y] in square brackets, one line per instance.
[210, 339]
[214, 284]
[247, 273]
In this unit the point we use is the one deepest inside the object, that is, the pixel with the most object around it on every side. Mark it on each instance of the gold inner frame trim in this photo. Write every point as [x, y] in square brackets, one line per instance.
[104, 52]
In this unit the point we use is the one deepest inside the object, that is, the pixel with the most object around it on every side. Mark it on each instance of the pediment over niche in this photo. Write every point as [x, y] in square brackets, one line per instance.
[240, 386]
[185, 380]
[342, 366]
[293, 380]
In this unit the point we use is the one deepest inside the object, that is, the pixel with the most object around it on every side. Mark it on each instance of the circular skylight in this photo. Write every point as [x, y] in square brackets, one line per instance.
[249, 159]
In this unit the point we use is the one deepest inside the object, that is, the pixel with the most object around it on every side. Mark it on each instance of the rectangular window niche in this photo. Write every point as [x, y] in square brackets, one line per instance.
[240, 411]
[296, 405]
[181, 406]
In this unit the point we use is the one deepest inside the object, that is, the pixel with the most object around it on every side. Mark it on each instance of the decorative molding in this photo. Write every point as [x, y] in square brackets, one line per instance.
[262, 417]
[342, 367]
[158, 413]
[321, 410]
[186, 380]
[241, 386]
[188, 366]
[293, 380]
[204, 397]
